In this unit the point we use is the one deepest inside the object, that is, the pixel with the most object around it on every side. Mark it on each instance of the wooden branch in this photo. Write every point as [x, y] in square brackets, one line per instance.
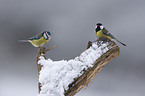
[41, 51]
[89, 74]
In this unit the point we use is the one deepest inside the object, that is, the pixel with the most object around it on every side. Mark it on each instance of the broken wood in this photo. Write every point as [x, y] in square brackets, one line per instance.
[90, 73]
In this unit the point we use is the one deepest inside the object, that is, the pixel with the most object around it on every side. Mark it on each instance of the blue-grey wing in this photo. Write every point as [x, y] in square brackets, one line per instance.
[106, 32]
[34, 38]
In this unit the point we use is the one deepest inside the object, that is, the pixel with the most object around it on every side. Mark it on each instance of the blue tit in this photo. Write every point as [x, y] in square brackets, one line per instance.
[39, 40]
[101, 31]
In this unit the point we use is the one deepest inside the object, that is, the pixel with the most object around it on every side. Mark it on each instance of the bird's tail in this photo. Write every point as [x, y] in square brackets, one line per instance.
[120, 42]
[23, 41]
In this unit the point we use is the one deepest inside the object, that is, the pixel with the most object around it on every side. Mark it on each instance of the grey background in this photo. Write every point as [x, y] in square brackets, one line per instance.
[73, 23]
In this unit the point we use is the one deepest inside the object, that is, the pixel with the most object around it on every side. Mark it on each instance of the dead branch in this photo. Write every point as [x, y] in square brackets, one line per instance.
[41, 51]
[90, 73]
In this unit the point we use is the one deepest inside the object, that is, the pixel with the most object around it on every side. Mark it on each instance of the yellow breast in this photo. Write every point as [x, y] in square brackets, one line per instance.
[39, 42]
[99, 34]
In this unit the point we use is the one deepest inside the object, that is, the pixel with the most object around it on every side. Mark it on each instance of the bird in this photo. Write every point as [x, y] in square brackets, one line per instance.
[101, 31]
[39, 40]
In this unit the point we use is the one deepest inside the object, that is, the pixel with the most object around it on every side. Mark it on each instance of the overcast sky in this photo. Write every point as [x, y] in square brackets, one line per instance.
[72, 23]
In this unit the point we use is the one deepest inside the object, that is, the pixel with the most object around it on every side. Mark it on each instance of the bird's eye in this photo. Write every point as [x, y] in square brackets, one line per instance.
[101, 27]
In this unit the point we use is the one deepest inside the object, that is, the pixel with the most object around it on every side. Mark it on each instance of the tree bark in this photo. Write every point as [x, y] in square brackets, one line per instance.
[90, 73]
[41, 51]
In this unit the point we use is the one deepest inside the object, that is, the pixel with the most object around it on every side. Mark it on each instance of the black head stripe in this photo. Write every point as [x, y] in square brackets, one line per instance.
[98, 29]
[45, 35]
[98, 24]
[49, 34]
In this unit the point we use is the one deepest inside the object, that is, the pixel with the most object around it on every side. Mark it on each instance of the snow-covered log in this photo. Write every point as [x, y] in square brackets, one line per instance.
[67, 77]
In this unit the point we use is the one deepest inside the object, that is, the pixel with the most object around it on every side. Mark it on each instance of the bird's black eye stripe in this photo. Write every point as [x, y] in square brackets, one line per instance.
[98, 29]
[98, 24]
[45, 35]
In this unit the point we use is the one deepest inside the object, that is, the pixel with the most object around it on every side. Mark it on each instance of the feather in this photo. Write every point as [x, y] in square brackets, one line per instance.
[23, 41]
[120, 42]
[107, 33]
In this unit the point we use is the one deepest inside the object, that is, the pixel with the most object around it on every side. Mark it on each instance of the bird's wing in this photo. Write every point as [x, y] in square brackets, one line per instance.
[106, 32]
[36, 37]
[40, 35]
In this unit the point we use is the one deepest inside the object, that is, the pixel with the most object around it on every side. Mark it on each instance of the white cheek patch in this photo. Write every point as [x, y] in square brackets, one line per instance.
[48, 36]
[101, 27]
[95, 27]
[45, 36]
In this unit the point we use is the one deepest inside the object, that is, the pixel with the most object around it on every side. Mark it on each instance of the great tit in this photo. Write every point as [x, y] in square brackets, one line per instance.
[39, 40]
[101, 31]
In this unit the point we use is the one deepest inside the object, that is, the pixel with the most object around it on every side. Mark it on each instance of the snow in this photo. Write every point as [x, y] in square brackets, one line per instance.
[55, 76]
